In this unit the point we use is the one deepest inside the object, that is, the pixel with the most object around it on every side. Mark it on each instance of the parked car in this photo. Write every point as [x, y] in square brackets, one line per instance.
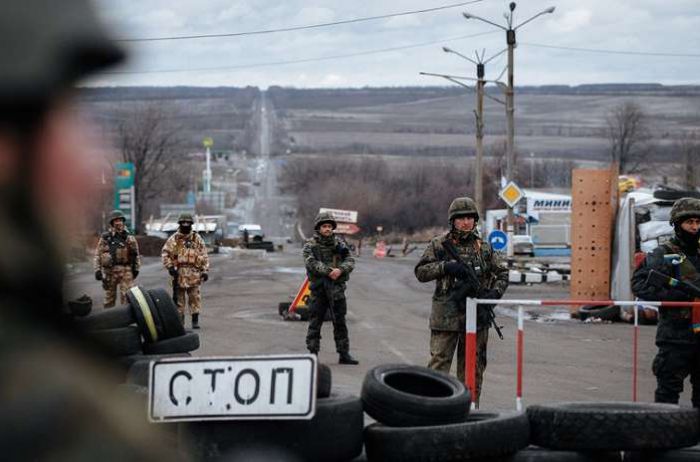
[523, 245]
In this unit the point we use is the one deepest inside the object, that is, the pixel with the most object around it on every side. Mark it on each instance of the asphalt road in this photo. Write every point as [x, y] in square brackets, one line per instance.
[565, 359]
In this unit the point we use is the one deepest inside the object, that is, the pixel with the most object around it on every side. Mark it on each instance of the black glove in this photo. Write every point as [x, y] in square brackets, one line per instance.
[173, 271]
[456, 269]
[135, 272]
[205, 277]
[98, 275]
[490, 294]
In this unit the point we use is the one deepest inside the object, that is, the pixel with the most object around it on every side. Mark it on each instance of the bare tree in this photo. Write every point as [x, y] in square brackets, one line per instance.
[689, 148]
[148, 140]
[628, 135]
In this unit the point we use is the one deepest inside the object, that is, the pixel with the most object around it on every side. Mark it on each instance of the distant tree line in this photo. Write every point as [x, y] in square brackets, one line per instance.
[404, 197]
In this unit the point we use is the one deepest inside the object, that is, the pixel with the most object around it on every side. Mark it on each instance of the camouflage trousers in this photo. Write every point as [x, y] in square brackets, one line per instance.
[672, 364]
[317, 312]
[117, 277]
[194, 299]
[442, 350]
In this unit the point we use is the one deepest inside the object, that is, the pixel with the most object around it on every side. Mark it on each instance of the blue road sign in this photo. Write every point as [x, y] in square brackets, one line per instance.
[498, 239]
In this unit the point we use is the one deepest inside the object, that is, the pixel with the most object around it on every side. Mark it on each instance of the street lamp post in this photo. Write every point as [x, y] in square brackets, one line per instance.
[510, 99]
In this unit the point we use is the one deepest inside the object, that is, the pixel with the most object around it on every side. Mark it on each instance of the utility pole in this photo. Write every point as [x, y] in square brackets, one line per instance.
[481, 82]
[479, 113]
[510, 101]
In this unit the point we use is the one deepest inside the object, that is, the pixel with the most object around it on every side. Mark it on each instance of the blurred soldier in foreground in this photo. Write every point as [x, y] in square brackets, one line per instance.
[57, 402]
[185, 257]
[450, 260]
[678, 332]
[117, 259]
[328, 267]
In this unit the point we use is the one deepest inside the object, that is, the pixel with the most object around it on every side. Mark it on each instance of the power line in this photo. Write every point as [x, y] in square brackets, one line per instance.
[298, 61]
[294, 28]
[614, 52]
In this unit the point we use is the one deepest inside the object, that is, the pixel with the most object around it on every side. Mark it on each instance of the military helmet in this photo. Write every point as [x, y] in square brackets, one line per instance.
[462, 206]
[185, 217]
[48, 45]
[684, 208]
[324, 217]
[116, 215]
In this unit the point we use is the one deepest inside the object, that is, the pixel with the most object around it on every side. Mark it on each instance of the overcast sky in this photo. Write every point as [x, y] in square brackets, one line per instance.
[647, 26]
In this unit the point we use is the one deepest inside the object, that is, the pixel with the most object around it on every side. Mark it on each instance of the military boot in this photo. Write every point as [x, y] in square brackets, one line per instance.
[195, 321]
[346, 358]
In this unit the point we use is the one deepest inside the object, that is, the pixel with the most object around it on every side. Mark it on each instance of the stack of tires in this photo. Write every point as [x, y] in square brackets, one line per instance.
[580, 431]
[425, 415]
[148, 327]
[334, 433]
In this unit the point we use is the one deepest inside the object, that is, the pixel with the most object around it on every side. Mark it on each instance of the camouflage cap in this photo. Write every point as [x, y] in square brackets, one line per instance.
[324, 217]
[685, 208]
[116, 215]
[185, 217]
[462, 206]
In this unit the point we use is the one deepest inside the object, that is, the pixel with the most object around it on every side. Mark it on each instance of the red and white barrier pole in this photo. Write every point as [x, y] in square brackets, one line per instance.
[519, 359]
[470, 347]
[635, 352]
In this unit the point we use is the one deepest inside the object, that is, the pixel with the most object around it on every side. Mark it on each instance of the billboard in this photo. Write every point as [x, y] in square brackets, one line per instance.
[124, 197]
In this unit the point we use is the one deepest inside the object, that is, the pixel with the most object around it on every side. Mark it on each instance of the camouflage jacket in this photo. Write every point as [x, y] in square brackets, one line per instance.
[674, 323]
[187, 253]
[116, 249]
[446, 315]
[321, 255]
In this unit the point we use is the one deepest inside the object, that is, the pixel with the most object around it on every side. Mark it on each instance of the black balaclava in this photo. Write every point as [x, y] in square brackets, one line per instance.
[689, 240]
[185, 227]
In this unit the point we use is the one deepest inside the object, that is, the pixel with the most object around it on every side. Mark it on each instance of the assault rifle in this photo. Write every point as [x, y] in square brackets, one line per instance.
[469, 284]
[659, 279]
[176, 288]
[326, 285]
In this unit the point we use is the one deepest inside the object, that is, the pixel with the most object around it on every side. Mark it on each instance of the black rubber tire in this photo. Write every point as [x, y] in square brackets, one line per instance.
[109, 318]
[670, 195]
[608, 426]
[182, 344]
[484, 435]
[691, 454]
[167, 311]
[402, 395]
[148, 336]
[80, 307]
[138, 371]
[283, 307]
[537, 454]
[121, 341]
[606, 313]
[303, 313]
[323, 381]
[333, 434]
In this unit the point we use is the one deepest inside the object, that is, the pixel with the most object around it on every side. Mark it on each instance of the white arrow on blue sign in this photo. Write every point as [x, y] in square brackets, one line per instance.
[498, 239]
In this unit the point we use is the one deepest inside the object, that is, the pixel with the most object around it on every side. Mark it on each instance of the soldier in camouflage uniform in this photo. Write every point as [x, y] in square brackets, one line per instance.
[328, 267]
[679, 345]
[185, 257]
[447, 318]
[117, 260]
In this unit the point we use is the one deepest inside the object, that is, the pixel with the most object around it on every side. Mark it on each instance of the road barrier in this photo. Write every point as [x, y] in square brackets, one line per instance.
[470, 334]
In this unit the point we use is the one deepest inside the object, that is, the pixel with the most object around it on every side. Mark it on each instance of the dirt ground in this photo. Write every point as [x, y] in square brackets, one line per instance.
[565, 359]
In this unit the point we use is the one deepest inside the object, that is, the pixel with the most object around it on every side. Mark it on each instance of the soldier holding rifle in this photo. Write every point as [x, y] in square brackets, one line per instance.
[328, 266]
[462, 265]
[672, 273]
